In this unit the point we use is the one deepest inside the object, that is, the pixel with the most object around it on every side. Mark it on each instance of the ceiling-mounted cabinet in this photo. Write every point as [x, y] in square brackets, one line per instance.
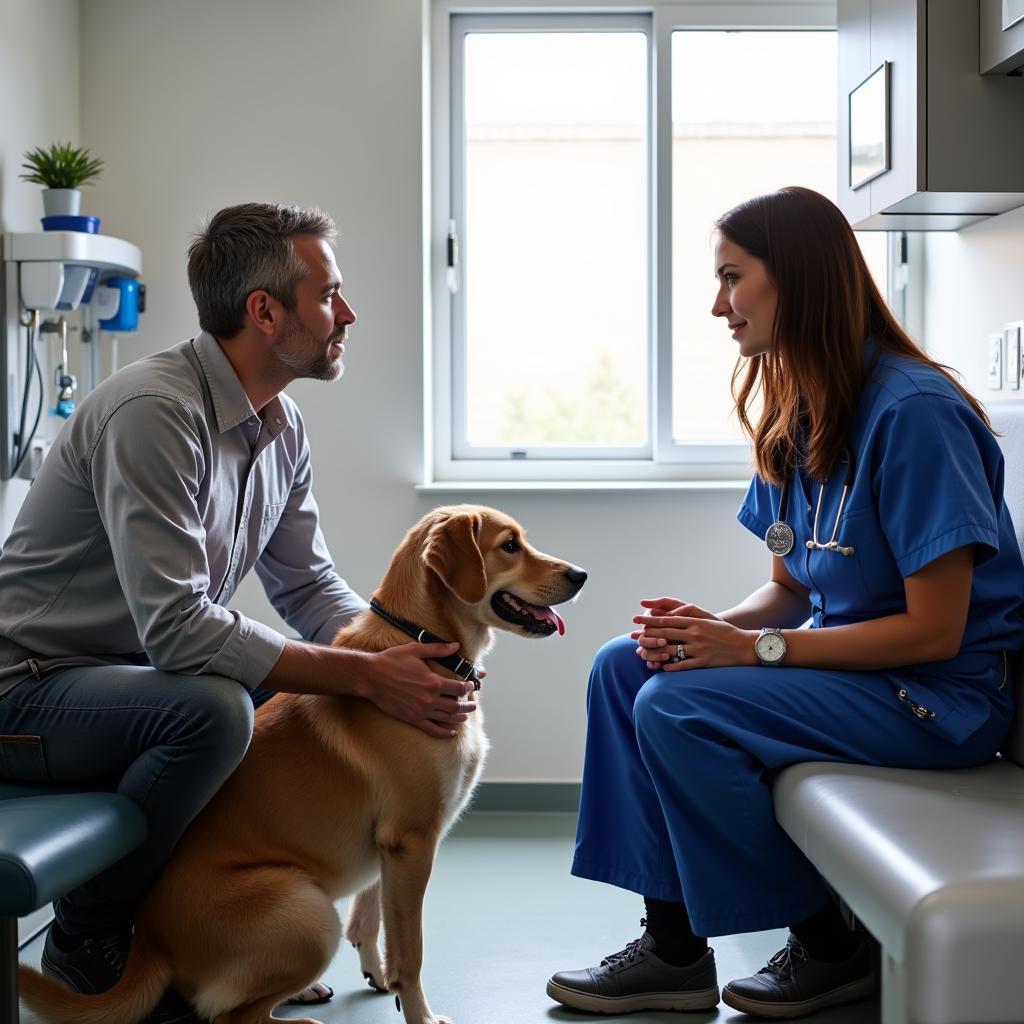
[935, 144]
[1002, 37]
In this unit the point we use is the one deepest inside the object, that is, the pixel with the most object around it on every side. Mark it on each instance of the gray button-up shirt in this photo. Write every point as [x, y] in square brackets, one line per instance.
[159, 495]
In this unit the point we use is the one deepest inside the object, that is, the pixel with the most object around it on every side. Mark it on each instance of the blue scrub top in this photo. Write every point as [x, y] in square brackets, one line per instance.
[928, 478]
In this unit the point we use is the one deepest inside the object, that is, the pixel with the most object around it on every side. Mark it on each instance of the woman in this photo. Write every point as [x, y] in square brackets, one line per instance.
[879, 494]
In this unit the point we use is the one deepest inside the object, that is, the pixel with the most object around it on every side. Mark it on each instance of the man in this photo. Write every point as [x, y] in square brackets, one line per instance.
[120, 662]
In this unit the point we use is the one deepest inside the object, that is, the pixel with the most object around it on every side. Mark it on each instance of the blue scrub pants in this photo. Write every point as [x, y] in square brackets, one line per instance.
[166, 741]
[676, 801]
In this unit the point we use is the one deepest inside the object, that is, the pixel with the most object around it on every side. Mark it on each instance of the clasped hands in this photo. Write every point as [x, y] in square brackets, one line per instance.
[707, 641]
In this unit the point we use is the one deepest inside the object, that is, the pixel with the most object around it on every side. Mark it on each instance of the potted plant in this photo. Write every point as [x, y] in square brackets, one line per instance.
[61, 168]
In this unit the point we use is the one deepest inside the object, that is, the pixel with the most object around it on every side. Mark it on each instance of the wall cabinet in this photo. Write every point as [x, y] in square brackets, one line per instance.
[1002, 48]
[955, 136]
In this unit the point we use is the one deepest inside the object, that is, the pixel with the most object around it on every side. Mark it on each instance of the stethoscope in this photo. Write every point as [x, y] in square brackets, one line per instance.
[780, 537]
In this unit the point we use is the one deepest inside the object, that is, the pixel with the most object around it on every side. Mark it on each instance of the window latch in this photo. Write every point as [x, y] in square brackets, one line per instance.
[453, 257]
[901, 269]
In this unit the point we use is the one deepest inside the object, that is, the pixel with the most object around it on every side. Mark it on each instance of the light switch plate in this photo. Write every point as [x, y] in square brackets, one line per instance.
[1017, 327]
[1012, 333]
[995, 361]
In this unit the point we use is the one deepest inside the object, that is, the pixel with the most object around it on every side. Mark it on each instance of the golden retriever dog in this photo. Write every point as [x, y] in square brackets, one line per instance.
[243, 916]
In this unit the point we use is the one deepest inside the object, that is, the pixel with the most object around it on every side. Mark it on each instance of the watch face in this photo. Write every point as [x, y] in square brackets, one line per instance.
[779, 539]
[770, 648]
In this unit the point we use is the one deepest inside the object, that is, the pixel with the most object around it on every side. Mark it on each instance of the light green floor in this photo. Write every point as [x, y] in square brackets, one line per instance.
[503, 914]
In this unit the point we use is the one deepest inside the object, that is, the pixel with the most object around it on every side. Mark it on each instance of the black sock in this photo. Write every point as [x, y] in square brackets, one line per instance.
[825, 935]
[669, 925]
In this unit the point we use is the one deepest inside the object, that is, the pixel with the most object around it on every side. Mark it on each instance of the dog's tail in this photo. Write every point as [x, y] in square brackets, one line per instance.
[146, 976]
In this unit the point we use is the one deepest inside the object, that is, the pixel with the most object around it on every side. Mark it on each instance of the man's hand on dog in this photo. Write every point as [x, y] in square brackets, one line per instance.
[403, 685]
[398, 680]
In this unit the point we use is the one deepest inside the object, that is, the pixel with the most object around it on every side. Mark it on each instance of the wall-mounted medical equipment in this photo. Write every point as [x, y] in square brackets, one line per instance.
[118, 303]
[48, 275]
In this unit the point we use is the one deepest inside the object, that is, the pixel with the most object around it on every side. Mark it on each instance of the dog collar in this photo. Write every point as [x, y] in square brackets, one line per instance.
[465, 670]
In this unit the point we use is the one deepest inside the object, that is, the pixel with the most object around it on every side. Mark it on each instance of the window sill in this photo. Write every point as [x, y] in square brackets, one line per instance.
[570, 486]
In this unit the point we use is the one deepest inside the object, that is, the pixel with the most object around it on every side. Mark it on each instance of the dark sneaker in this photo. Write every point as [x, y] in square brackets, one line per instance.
[636, 979]
[794, 985]
[96, 964]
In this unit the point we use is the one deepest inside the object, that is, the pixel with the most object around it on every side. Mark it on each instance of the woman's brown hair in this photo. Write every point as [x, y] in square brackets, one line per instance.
[812, 377]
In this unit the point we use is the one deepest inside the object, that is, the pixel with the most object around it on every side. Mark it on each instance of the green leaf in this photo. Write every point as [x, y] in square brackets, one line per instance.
[60, 166]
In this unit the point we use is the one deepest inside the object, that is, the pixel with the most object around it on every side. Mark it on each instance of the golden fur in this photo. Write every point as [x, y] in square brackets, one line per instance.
[333, 798]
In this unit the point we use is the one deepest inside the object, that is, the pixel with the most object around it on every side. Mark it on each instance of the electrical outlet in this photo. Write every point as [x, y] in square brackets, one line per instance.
[1012, 332]
[995, 361]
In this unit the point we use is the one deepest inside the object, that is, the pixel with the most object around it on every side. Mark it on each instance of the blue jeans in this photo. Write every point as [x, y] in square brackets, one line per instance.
[163, 740]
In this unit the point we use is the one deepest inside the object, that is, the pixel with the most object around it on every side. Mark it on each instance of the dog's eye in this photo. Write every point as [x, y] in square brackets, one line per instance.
[511, 546]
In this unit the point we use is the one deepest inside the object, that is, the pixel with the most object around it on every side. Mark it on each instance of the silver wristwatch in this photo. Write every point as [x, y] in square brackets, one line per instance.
[770, 646]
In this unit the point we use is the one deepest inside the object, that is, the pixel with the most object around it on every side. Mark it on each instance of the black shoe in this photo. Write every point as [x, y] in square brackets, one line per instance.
[794, 985]
[95, 965]
[636, 979]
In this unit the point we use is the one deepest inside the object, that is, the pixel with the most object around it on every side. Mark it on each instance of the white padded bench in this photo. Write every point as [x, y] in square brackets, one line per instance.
[930, 862]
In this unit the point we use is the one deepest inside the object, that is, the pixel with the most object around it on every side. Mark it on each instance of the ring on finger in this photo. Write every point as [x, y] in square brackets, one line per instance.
[680, 654]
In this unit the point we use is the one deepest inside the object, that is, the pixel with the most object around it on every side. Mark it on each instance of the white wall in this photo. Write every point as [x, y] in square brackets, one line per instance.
[39, 86]
[197, 105]
[974, 285]
[39, 104]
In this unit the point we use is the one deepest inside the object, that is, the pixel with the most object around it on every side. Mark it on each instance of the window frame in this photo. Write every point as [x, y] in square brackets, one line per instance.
[447, 458]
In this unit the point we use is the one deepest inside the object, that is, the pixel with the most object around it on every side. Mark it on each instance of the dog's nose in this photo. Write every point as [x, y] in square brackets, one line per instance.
[575, 575]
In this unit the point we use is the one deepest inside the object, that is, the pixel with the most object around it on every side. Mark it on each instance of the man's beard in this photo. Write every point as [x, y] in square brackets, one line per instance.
[306, 355]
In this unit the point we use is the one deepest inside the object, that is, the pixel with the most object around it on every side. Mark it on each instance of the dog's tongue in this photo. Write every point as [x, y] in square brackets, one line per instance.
[548, 615]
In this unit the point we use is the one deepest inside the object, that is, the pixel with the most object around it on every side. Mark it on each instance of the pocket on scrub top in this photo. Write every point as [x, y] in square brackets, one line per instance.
[839, 577]
[22, 759]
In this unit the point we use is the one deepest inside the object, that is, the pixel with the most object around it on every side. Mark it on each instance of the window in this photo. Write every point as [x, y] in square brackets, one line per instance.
[554, 272]
[579, 164]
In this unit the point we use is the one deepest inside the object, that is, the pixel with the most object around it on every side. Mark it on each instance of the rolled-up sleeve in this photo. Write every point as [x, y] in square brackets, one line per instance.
[296, 569]
[756, 513]
[148, 507]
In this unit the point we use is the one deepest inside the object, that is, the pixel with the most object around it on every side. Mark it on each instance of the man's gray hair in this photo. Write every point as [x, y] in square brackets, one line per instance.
[247, 248]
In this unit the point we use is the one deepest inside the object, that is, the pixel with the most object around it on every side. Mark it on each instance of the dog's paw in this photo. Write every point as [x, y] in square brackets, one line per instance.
[424, 1016]
[430, 1018]
[374, 983]
[371, 966]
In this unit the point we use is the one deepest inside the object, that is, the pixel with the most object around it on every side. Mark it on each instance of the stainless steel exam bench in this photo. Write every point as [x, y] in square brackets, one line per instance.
[930, 862]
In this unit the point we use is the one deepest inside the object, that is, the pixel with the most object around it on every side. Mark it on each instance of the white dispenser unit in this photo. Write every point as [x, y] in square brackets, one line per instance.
[49, 271]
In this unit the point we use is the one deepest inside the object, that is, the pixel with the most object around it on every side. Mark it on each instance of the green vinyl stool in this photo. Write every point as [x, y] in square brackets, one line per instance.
[52, 840]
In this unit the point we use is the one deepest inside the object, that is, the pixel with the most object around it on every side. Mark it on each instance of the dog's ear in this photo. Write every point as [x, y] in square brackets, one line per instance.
[452, 551]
